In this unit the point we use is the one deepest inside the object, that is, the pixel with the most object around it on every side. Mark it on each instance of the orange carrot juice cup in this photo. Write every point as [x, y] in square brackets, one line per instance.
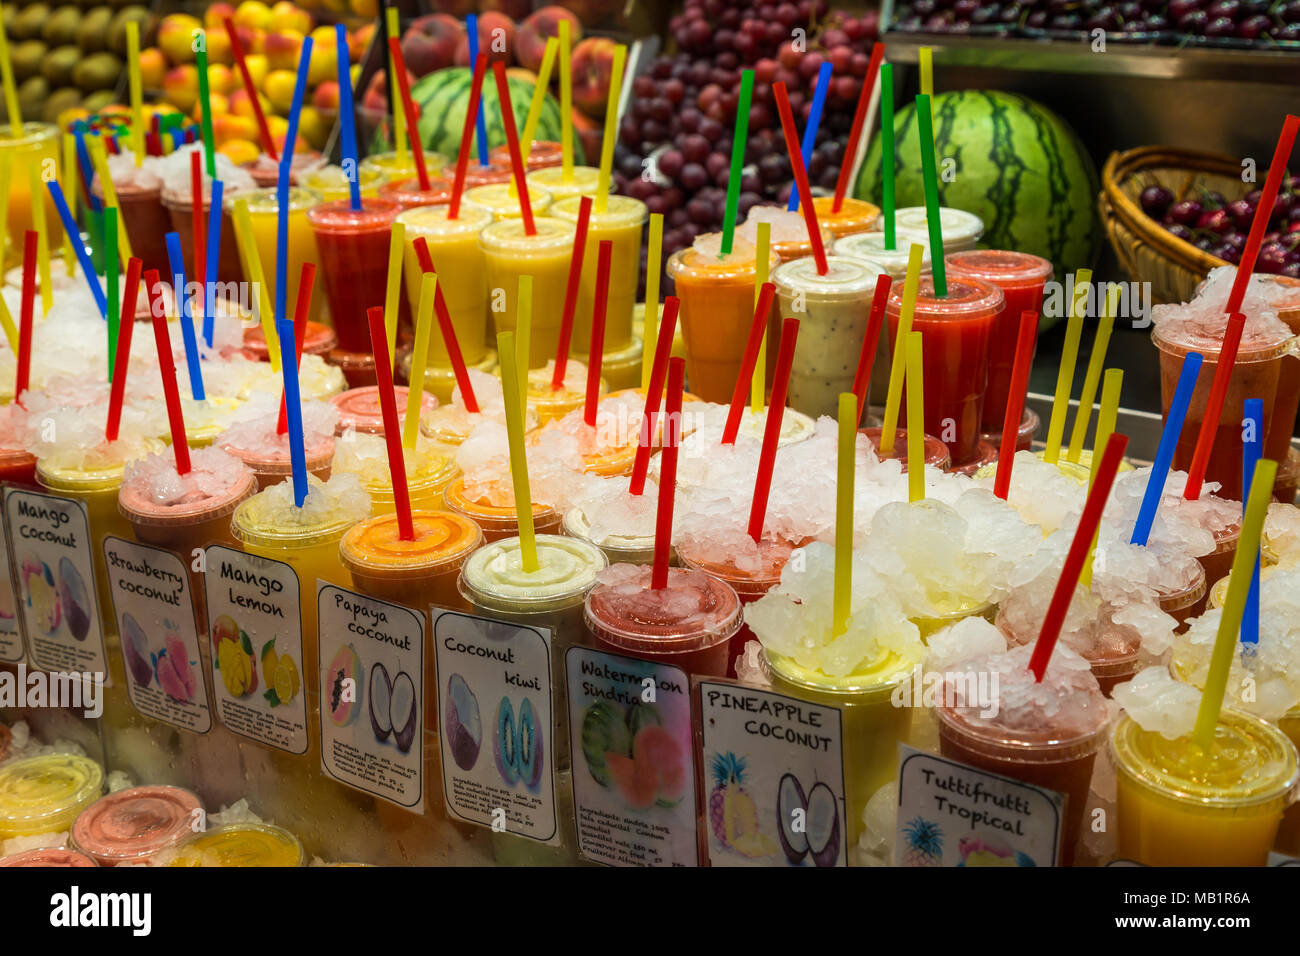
[855, 215]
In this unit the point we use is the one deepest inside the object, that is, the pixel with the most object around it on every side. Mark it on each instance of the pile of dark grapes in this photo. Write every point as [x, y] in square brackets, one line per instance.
[1219, 227]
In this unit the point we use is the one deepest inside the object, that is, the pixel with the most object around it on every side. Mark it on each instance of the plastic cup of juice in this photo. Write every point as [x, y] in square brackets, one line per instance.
[542, 154]
[264, 217]
[47, 857]
[408, 194]
[147, 220]
[855, 215]
[45, 794]
[179, 204]
[1180, 806]
[936, 452]
[510, 253]
[359, 409]
[621, 368]
[450, 424]
[131, 826]
[618, 548]
[266, 171]
[1288, 834]
[396, 167]
[496, 198]
[428, 471]
[832, 312]
[270, 462]
[38, 144]
[956, 331]
[961, 230]
[18, 467]
[582, 182]
[239, 845]
[353, 255]
[552, 403]
[498, 522]
[480, 175]
[319, 339]
[619, 224]
[329, 184]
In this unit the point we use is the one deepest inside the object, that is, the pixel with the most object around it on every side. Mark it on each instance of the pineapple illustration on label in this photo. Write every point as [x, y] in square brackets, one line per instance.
[733, 814]
[923, 844]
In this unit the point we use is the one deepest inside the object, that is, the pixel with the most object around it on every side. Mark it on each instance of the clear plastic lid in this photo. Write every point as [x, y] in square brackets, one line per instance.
[241, 844]
[134, 824]
[266, 202]
[956, 224]
[45, 794]
[330, 182]
[693, 612]
[966, 296]
[1001, 267]
[845, 278]
[375, 215]
[494, 575]
[272, 519]
[871, 246]
[442, 539]
[497, 197]
[507, 237]
[433, 221]
[620, 212]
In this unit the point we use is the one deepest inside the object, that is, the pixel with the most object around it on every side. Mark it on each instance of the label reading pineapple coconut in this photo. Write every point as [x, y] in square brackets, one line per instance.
[495, 707]
[633, 776]
[372, 695]
[53, 561]
[951, 814]
[773, 778]
[11, 638]
[150, 590]
[255, 626]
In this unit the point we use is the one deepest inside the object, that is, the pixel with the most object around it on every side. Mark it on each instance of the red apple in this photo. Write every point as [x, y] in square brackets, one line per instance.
[530, 40]
[429, 43]
[496, 37]
[593, 61]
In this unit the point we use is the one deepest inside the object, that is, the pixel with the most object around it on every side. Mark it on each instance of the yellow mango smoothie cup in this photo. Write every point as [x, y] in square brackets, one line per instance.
[401, 167]
[239, 845]
[38, 144]
[510, 253]
[429, 470]
[459, 261]
[46, 794]
[330, 185]
[582, 181]
[264, 217]
[496, 198]
[620, 224]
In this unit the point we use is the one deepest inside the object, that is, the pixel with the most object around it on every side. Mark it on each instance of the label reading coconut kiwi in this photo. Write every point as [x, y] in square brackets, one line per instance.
[11, 638]
[773, 778]
[154, 609]
[53, 563]
[255, 633]
[951, 814]
[633, 774]
[372, 695]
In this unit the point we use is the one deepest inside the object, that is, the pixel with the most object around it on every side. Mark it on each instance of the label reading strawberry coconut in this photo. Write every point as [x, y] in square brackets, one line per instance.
[951, 814]
[154, 608]
[372, 695]
[58, 605]
[773, 778]
[11, 638]
[494, 695]
[255, 626]
[633, 777]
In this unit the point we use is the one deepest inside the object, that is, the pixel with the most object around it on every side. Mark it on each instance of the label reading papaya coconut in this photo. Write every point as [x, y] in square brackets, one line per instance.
[633, 775]
[11, 638]
[773, 778]
[494, 701]
[255, 626]
[372, 695]
[150, 589]
[58, 605]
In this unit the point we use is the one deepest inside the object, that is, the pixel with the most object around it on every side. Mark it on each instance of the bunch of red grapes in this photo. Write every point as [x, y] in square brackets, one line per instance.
[1219, 227]
[681, 120]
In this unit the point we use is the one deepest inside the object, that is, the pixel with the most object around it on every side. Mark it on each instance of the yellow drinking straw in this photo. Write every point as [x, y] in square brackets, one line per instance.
[518, 463]
[653, 266]
[611, 129]
[524, 338]
[253, 269]
[1234, 605]
[540, 88]
[1093, 377]
[68, 182]
[10, 88]
[7, 323]
[762, 255]
[399, 115]
[396, 244]
[1065, 375]
[897, 367]
[419, 359]
[915, 419]
[99, 159]
[925, 60]
[133, 77]
[844, 462]
[1106, 421]
[566, 105]
[6, 172]
[35, 185]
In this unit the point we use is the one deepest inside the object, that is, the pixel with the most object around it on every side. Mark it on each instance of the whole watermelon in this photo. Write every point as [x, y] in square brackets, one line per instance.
[1019, 167]
[442, 98]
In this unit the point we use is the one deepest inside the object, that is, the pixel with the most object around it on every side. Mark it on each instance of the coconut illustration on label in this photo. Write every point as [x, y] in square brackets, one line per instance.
[462, 723]
[135, 650]
[75, 602]
[808, 825]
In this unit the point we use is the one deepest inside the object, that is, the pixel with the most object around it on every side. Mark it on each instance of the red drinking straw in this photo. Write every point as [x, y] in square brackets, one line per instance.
[1015, 402]
[668, 475]
[1078, 554]
[772, 433]
[653, 395]
[512, 140]
[467, 136]
[237, 48]
[196, 223]
[870, 341]
[571, 293]
[599, 308]
[1214, 406]
[122, 360]
[392, 430]
[23, 371]
[855, 132]
[740, 394]
[408, 107]
[1263, 213]
[447, 329]
[307, 279]
[167, 368]
[800, 176]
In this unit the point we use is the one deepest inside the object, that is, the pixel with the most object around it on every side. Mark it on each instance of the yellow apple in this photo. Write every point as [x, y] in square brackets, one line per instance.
[241, 151]
[253, 13]
[279, 89]
[181, 87]
[176, 37]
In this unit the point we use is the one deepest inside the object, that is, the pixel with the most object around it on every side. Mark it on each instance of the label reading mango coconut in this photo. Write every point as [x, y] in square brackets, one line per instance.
[495, 707]
[58, 604]
[255, 626]
[11, 638]
[150, 589]
[633, 774]
[372, 695]
[773, 778]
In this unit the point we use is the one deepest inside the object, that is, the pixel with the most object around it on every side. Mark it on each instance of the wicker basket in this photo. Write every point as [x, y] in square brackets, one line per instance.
[1145, 249]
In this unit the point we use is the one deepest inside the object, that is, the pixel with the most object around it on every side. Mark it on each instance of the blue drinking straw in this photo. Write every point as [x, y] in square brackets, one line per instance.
[348, 132]
[295, 108]
[471, 25]
[187, 321]
[293, 409]
[1252, 443]
[210, 270]
[79, 247]
[814, 120]
[1168, 442]
[79, 131]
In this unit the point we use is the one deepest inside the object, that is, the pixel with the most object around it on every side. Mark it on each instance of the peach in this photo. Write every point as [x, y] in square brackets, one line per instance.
[375, 98]
[279, 89]
[593, 60]
[214, 17]
[153, 67]
[326, 96]
[240, 151]
[254, 40]
[220, 107]
[181, 86]
[219, 50]
[359, 41]
[221, 79]
[241, 104]
[314, 127]
[286, 16]
[430, 43]
[283, 49]
[253, 13]
[324, 56]
[227, 128]
[496, 37]
[530, 39]
[176, 37]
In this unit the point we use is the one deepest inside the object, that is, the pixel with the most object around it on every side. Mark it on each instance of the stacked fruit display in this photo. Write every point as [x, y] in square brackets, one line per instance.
[1218, 226]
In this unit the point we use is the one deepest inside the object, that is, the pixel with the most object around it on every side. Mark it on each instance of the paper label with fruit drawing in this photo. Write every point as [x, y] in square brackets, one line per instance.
[951, 814]
[11, 638]
[498, 736]
[633, 778]
[58, 603]
[372, 695]
[255, 631]
[150, 590]
[773, 791]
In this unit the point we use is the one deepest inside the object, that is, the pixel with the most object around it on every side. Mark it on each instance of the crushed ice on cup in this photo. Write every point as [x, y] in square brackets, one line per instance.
[688, 603]
[214, 473]
[970, 637]
[1067, 701]
[612, 512]
[1201, 322]
[786, 226]
[341, 500]
[252, 430]
[709, 246]
[174, 173]
[366, 456]
[1159, 703]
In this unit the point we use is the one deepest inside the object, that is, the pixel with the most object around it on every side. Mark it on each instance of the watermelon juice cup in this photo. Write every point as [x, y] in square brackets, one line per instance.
[855, 216]
[620, 224]
[498, 521]
[352, 248]
[147, 220]
[428, 471]
[132, 826]
[961, 230]
[359, 409]
[266, 171]
[498, 199]
[319, 339]
[936, 452]
[179, 204]
[408, 194]
[239, 845]
[510, 253]
[46, 794]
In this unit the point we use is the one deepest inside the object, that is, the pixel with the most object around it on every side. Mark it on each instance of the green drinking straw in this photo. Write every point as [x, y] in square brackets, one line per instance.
[887, 152]
[114, 296]
[737, 159]
[201, 63]
[925, 127]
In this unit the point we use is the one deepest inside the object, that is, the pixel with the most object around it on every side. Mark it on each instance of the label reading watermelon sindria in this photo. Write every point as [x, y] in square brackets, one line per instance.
[372, 695]
[633, 777]
[773, 778]
[11, 637]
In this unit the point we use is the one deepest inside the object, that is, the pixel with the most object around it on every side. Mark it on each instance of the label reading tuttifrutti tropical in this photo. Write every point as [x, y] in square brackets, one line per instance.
[372, 695]
[633, 776]
[951, 814]
[494, 698]
[58, 604]
[773, 778]
[11, 638]
[150, 589]
[255, 626]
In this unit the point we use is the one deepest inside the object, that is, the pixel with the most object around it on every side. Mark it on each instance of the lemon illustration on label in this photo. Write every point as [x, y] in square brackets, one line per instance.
[287, 682]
